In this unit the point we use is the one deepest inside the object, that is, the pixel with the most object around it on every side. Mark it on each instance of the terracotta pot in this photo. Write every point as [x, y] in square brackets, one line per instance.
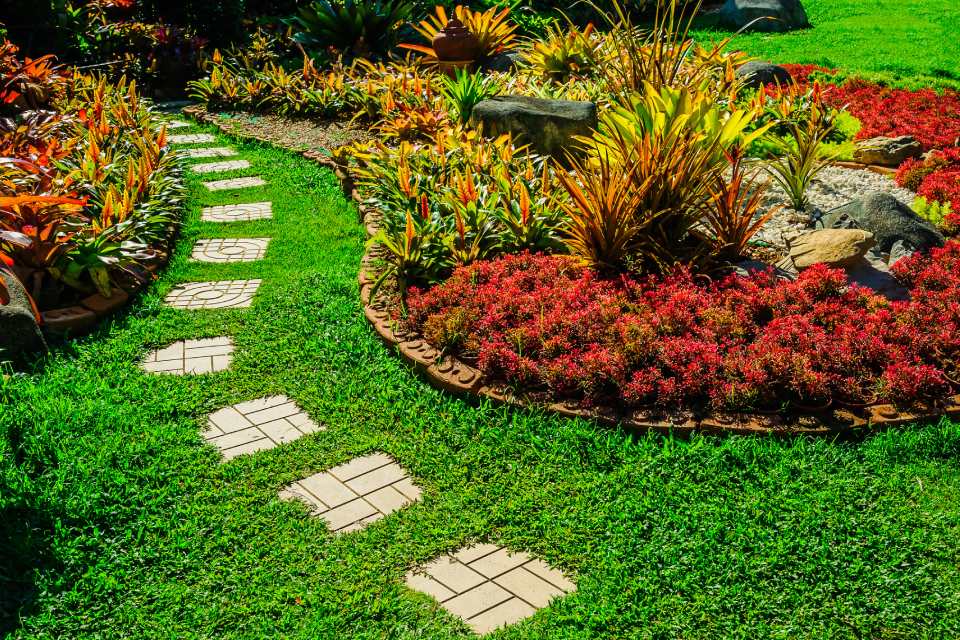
[455, 43]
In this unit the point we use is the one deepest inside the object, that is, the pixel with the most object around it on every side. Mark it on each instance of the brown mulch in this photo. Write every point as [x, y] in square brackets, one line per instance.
[298, 134]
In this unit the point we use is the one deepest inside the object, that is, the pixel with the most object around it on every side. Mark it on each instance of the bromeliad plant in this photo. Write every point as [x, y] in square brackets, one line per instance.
[808, 125]
[465, 91]
[673, 144]
[353, 28]
[87, 193]
[565, 53]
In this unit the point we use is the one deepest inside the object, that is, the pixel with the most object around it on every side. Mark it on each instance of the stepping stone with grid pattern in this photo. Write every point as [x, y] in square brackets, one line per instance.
[230, 249]
[222, 294]
[190, 138]
[257, 425]
[177, 124]
[207, 152]
[235, 183]
[238, 212]
[187, 357]
[489, 586]
[219, 167]
[352, 495]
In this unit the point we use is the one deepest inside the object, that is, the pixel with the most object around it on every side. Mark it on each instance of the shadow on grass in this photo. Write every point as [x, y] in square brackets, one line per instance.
[25, 551]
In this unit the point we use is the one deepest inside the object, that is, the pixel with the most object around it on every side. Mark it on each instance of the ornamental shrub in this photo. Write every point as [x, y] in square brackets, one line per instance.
[549, 324]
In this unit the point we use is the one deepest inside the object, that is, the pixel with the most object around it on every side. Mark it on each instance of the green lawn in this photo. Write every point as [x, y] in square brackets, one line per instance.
[117, 521]
[915, 42]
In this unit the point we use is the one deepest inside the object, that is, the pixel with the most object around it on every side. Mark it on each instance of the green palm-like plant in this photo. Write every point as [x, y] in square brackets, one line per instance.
[352, 27]
[466, 90]
[800, 163]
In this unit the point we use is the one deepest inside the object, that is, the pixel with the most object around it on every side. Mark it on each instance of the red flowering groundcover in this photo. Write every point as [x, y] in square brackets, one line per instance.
[545, 323]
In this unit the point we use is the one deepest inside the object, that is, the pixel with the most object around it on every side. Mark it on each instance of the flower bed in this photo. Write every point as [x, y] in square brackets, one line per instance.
[740, 344]
[90, 191]
[521, 277]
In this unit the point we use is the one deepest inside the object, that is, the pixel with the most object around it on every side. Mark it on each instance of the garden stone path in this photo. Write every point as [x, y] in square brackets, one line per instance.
[238, 212]
[486, 585]
[177, 124]
[222, 294]
[207, 152]
[220, 167]
[187, 357]
[257, 425]
[235, 183]
[354, 494]
[489, 586]
[190, 138]
[230, 249]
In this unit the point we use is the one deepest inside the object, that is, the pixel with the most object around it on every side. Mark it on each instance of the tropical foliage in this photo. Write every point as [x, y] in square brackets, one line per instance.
[88, 190]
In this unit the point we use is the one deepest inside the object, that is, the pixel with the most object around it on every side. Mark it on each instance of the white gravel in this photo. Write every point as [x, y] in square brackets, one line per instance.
[833, 187]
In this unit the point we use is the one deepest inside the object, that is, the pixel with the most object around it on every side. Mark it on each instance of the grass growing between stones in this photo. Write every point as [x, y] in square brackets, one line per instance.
[116, 520]
[915, 43]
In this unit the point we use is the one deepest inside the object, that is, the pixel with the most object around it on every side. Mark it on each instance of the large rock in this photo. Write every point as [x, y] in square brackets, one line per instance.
[549, 126]
[756, 74]
[504, 62]
[888, 152]
[778, 15]
[833, 247]
[19, 333]
[889, 220]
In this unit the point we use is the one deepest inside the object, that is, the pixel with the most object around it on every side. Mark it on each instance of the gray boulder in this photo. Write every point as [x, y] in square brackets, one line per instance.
[889, 220]
[503, 62]
[549, 126]
[887, 152]
[756, 74]
[778, 15]
[19, 333]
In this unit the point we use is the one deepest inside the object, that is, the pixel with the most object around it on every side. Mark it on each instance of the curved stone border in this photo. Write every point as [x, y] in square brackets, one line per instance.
[454, 376]
[80, 319]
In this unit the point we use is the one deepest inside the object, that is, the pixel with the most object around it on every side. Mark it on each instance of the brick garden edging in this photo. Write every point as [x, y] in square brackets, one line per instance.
[459, 378]
[80, 319]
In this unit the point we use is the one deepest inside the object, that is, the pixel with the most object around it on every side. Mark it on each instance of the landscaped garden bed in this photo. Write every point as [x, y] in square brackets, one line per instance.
[89, 198]
[663, 266]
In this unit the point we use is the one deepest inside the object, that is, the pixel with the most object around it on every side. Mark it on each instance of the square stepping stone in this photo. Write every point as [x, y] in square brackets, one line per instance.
[238, 212]
[187, 357]
[177, 124]
[235, 183]
[230, 249]
[489, 586]
[190, 138]
[222, 294]
[219, 167]
[257, 425]
[354, 494]
[207, 152]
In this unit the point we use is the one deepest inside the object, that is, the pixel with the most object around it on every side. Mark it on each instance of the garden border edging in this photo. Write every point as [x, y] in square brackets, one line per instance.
[450, 374]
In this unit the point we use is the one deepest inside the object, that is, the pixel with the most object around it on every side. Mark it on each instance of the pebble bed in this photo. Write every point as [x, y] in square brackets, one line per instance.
[833, 187]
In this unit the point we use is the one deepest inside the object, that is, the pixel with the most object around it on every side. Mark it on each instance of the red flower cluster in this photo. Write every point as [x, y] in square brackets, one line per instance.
[547, 324]
[930, 117]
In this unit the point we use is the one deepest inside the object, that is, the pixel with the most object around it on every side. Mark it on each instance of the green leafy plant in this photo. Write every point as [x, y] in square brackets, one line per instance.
[801, 159]
[672, 143]
[936, 213]
[466, 90]
[352, 27]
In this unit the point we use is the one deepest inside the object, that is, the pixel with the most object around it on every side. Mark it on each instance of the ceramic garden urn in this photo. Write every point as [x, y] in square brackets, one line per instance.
[455, 43]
